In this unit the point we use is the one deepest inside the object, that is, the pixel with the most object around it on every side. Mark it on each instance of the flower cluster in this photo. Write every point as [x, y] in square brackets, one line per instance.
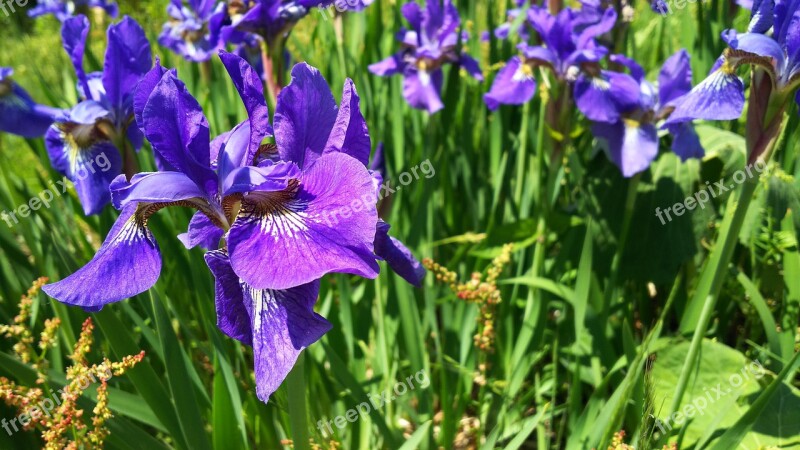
[57, 415]
[194, 29]
[64, 9]
[261, 209]
[430, 44]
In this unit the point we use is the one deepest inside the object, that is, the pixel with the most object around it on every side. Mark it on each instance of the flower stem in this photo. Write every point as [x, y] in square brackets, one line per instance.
[712, 278]
[298, 411]
[630, 202]
[522, 155]
[273, 86]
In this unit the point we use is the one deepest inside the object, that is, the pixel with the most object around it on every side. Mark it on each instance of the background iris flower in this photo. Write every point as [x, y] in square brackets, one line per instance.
[633, 138]
[19, 114]
[64, 9]
[430, 44]
[194, 31]
[102, 124]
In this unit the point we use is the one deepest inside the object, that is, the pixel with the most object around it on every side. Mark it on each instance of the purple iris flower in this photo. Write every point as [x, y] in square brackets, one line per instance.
[270, 19]
[86, 143]
[64, 9]
[19, 114]
[194, 29]
[721, 95]
[276, 217]
[633, 138]
[431, 43]
[572, 54]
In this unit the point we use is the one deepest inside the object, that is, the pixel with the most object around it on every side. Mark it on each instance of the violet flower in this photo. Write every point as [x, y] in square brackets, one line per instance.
[96, 130]
[19, 114]
[272, 204]
[430, 44]
[194, 29]
[633, 138]
[776, 76]
[572, 54]
[64, 9]
[270, 19]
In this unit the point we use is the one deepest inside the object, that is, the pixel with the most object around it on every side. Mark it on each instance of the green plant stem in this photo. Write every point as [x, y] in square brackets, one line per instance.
[522, 155]
[616, 263]
[298, 410]
[711, 280]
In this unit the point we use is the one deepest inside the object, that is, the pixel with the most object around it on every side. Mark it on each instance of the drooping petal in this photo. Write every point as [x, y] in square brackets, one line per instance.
[128, 263]
[350, 134]
[514, 85]
[154, 187]
[685, 142]
[73, 35]
[472, 67]
[128, 58]
[233, 314]
[90, 168]
[176, 127]
[248, 84]
[605, 97]
[202, 232]
[631, 146]
[284, 323]
[398, 256]
[20, 115]
[675, 77]
[304, 116]
[719, 97]
[389, 66]
[421, 88]
[285, 239]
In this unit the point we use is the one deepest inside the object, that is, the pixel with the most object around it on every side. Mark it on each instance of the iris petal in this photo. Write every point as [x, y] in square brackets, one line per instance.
[128, 263]
[632, 147]
[350, 134]
[675, 77]
[128, 58]
[514, 85]
[398, 256]
[327, 225]
[604, 98]
[233, 316]
[251, 91]
[202, 232]
[421, 88]
[719, 97]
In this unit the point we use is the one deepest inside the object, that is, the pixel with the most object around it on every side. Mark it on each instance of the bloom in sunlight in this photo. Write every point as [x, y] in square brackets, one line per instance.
[776, 60]
[88, 143]
[276, 217]
[19, 114]
[194, 29]
[430, 44]
[64, 9]
[270, 19]
[633, 138]
[570, 51]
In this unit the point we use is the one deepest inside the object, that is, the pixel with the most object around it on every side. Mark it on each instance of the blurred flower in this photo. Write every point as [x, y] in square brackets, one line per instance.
[572, 54]
[431, 43]
[633, 138]
[64, 9]
[19, 114]
[270, 19]
[99, 129]
[775, 59]
[272, 204]
[194, 29]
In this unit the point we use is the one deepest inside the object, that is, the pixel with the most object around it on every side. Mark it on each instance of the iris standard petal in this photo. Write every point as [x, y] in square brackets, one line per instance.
[251, 90]
[326, 224]
[284, 323]
[675, 77]
[631, 146]
[73, 35]
[128, 58]
[719, 97]
[304, 116]
[128, 263]
[421, 88]
[233, 315]
[144, 88]
[176, 127]
[514, 85]
[350, 134]
[398, 256]
[202, 232]
[91, 167]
